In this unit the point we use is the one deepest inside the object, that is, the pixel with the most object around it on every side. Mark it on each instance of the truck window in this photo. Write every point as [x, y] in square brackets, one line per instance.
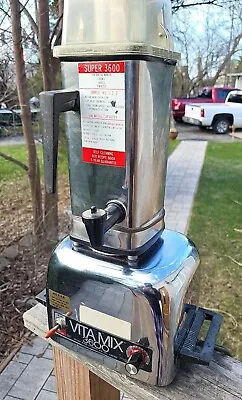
[16, 119]
[236, 98]
[9, 117]
[223, 93]
[205, 93]
[6, 118]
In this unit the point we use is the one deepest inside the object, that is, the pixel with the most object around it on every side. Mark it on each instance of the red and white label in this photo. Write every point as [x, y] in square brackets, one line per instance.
[102, 94]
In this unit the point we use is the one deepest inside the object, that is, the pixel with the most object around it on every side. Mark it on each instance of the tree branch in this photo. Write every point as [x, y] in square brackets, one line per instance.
[32, 22]
[56, 28]
[234, 261]
[7, 96]
[228, 57]
[14, 160]
[176, 4]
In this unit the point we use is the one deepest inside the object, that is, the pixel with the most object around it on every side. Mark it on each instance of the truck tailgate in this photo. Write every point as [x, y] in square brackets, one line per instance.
[193, 111]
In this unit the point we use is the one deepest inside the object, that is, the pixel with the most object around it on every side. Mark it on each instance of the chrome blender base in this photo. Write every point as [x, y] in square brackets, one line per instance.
[134, 304]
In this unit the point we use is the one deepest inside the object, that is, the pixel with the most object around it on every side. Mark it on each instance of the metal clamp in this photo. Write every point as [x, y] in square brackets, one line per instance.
[146, 225]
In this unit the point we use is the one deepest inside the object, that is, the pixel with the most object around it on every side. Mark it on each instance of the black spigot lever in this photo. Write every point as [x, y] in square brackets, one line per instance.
[98, 221]
[94, 220]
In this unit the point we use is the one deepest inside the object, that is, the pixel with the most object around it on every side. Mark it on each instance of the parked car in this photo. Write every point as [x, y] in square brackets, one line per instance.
[9, 117]
[219, 117]
[13, 117]
[206, 95]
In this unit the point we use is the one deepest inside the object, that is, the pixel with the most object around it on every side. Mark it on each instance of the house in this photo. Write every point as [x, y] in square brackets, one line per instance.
[236, 77]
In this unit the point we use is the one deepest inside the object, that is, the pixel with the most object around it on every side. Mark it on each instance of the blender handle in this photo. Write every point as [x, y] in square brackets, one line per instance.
[52, 103]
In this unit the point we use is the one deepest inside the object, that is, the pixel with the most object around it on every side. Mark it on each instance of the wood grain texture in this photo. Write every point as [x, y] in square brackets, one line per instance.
[222, 380]
[76, 382]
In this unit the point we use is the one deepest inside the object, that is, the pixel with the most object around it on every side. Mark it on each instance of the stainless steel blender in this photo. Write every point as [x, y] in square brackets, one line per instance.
[120, 288]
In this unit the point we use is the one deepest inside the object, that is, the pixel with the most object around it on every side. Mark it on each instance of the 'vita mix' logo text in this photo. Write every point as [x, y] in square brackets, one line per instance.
[96, 339]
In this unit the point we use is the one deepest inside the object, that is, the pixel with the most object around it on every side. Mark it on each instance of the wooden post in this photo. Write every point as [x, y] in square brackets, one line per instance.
[80, 378]
[76, 382]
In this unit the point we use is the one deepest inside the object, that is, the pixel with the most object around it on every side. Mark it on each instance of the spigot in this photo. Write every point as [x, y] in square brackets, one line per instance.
[98, 221]
[94, 220]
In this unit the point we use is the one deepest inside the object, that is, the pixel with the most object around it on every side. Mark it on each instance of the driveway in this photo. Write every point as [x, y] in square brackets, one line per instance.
[190, 132]
[14, 140]
[185, 132]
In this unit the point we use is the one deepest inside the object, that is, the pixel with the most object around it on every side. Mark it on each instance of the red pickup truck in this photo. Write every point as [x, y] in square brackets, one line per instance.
[206, 95]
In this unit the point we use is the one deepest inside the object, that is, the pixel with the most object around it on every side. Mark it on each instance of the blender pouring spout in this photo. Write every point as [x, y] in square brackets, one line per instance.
[98, 221]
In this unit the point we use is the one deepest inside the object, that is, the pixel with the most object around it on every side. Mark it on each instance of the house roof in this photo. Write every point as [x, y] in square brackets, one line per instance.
[235, 74]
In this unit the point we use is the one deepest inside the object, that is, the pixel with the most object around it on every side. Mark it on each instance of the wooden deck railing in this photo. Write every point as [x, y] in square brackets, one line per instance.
[82, 379]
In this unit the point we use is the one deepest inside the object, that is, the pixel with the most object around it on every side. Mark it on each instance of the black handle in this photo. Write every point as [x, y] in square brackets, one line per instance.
[52, 103]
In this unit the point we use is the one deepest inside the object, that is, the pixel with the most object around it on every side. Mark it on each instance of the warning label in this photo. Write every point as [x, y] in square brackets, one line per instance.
[102, 94]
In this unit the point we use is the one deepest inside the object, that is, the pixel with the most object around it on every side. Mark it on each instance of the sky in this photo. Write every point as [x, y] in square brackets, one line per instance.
[202, 24]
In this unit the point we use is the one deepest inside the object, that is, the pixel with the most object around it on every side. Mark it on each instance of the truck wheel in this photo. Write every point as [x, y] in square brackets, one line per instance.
[221, 126]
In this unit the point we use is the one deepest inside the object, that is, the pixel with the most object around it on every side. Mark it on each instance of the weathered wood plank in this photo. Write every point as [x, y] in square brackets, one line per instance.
[76, 382]
[221, 381]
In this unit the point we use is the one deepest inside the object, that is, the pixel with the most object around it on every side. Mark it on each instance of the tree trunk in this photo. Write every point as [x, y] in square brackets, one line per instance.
[49, 81]
[44, 46]
[34, 175]
[60, 7]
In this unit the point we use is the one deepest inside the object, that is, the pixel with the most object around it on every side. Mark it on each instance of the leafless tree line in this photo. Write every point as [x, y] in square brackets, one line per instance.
[208, 57]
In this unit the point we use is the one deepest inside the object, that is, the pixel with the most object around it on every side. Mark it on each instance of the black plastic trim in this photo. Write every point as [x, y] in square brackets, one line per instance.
[109, 251]
[41, 297]
[188, 345]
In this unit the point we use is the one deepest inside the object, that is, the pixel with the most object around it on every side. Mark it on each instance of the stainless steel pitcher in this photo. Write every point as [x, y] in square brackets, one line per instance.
[117, 66]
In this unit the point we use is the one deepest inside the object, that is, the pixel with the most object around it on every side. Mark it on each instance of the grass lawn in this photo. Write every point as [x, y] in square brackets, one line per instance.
[11, 171]
[172, 145]
[216, 228]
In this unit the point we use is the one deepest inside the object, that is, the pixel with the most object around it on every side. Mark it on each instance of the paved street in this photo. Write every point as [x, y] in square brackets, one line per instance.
[185, 132]
[29, 376]
[190, 132]
[14, 140]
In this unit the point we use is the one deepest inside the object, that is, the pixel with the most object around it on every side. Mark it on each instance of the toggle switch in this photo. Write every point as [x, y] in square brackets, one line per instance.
[60, 324]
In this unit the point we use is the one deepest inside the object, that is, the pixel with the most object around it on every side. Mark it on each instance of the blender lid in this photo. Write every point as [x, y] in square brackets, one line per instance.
[105, 28]
[110, 50]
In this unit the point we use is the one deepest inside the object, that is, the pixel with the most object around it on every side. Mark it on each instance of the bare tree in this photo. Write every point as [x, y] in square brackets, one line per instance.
[50, 66]
[33, 164]
[207, 55]
[45, 53]
[38, 34]
[8, 93]
[46, 59]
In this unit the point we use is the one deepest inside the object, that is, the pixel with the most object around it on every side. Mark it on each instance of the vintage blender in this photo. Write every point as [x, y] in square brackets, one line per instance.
[120, 288]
